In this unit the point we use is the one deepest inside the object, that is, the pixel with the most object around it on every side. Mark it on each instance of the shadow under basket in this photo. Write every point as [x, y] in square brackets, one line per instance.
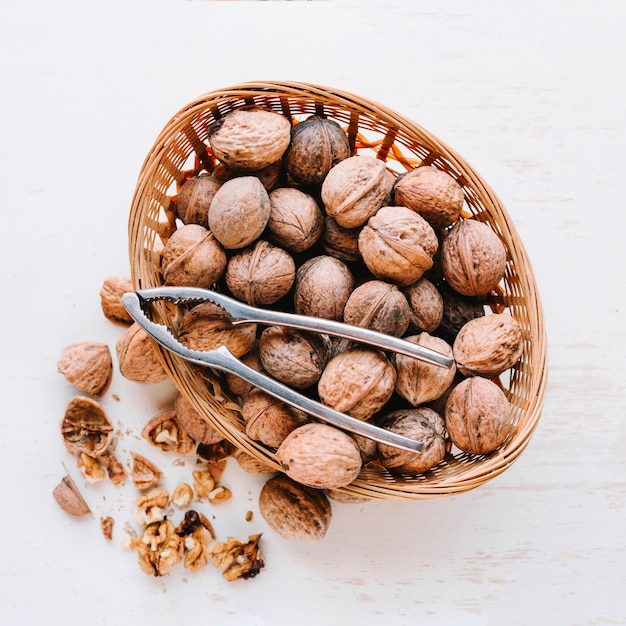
[182, 150]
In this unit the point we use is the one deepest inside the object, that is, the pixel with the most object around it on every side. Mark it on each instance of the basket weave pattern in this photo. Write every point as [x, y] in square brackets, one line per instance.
[181, 151]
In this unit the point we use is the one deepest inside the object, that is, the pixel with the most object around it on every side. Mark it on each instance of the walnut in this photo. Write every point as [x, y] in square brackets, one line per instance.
[237, 559]
[320, 456]
[425, 305]
[251, 464]
[294, 511]
[193, 423]
[219, 494]
[323, 285]
[478, 416]
[106, 526]
[87, 365]
[166, 432]
[85, 427]
[473, 258]
[207, 326]
[137, 357]
[380, 306]
[193, 257]
[295, 357]
[199, 546]
[421, 424]
[270, 176]
[345, 497]
[68, 497]
[239, 212]
[250, 138]
[398, 245]
[358, 382]
[260, 274]
[194, 198]
[237, 385]
[367, 446]
[420, 382]
[432, 193]
[457, 311]
[489, 345]
[339, 242]
[317, 144]
[91, 469]
[182, 495]
[296, 221]
[115, 470]
[354, 190]
[203, 483]
[159, 548]
[151, 507]
[113, 288]
[268, 420]
[145, 473]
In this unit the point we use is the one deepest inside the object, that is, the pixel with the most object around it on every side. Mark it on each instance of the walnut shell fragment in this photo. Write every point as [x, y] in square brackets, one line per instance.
[85, 427]
[294, 511]
[69, 498]
[113, 288]
[137, 357]
[87, 365]
[166, 432]
[145, 473]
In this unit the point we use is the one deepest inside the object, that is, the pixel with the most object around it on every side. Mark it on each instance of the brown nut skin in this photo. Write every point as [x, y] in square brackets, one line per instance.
[425, 305]
[398, 245]
[473, 258]
[320, 456]
[478, 416]
[87, 365]
[268, 420]
[294, 511]
[296, 221]
[194, 199]
[489, 345]
[358, 381]
[207, 326]
[421, 424]
[322, 287]
[113, 288]
[193, 257]
[85, 427]
[379, 306]
[260, 274]
[432, 193]
[196, 426]
[137, 357]
[296, 358]
[239, 212]
[250, 138]
[317, 144]
[354, 190]
[420, 382]
[339, 242]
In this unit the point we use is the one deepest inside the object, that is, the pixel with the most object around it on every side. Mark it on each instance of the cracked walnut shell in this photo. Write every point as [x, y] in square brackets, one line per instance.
[69, 498]
[145, 473]
[85, 427]
[165, 431]
[87, 365]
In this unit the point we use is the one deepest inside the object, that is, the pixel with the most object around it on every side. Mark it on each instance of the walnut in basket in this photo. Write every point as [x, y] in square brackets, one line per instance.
[425, 305]
[137, 357]
[194, 199]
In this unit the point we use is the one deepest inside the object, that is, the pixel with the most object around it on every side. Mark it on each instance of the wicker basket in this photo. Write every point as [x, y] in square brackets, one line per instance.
[181, 150]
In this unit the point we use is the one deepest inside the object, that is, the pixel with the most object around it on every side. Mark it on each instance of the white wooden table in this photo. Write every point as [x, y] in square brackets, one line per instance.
[532, 94]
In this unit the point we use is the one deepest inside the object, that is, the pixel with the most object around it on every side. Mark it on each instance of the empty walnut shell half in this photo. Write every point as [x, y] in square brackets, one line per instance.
[87, 365]
[165, 431]
[85, 427]
[294, 511]
[69, 498]
[145, 473]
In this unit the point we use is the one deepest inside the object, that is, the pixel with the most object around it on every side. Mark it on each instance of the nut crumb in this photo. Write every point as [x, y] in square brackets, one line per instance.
[249, 516]
[106, 524]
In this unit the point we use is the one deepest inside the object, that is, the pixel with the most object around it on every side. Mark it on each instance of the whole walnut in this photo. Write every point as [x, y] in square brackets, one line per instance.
[294, 511]
[239, 212]
[87, 365]
[295, 357]
[432, 193]
[296, 221]
[113, 288]
[237, 385]
[478, 416]
[251, 464]
[269, 420]
[194, 424]
[207, 326]
[354, 190]
[137, 357]
[192, 257]
[320, 456]
[250, 138]
[398, 245]
[317, 144]
[358, 381]
[489, 345]
[473, 258]
[425, 305]
[379, 306]
[270, 175]
[194, 198]
[420, 382]
[260, 274]
[457, 311]
[322, 287]
[339, 242]
[421, 424]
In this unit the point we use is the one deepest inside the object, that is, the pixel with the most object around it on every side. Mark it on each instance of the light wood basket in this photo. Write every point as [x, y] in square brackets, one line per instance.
[181, 150]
